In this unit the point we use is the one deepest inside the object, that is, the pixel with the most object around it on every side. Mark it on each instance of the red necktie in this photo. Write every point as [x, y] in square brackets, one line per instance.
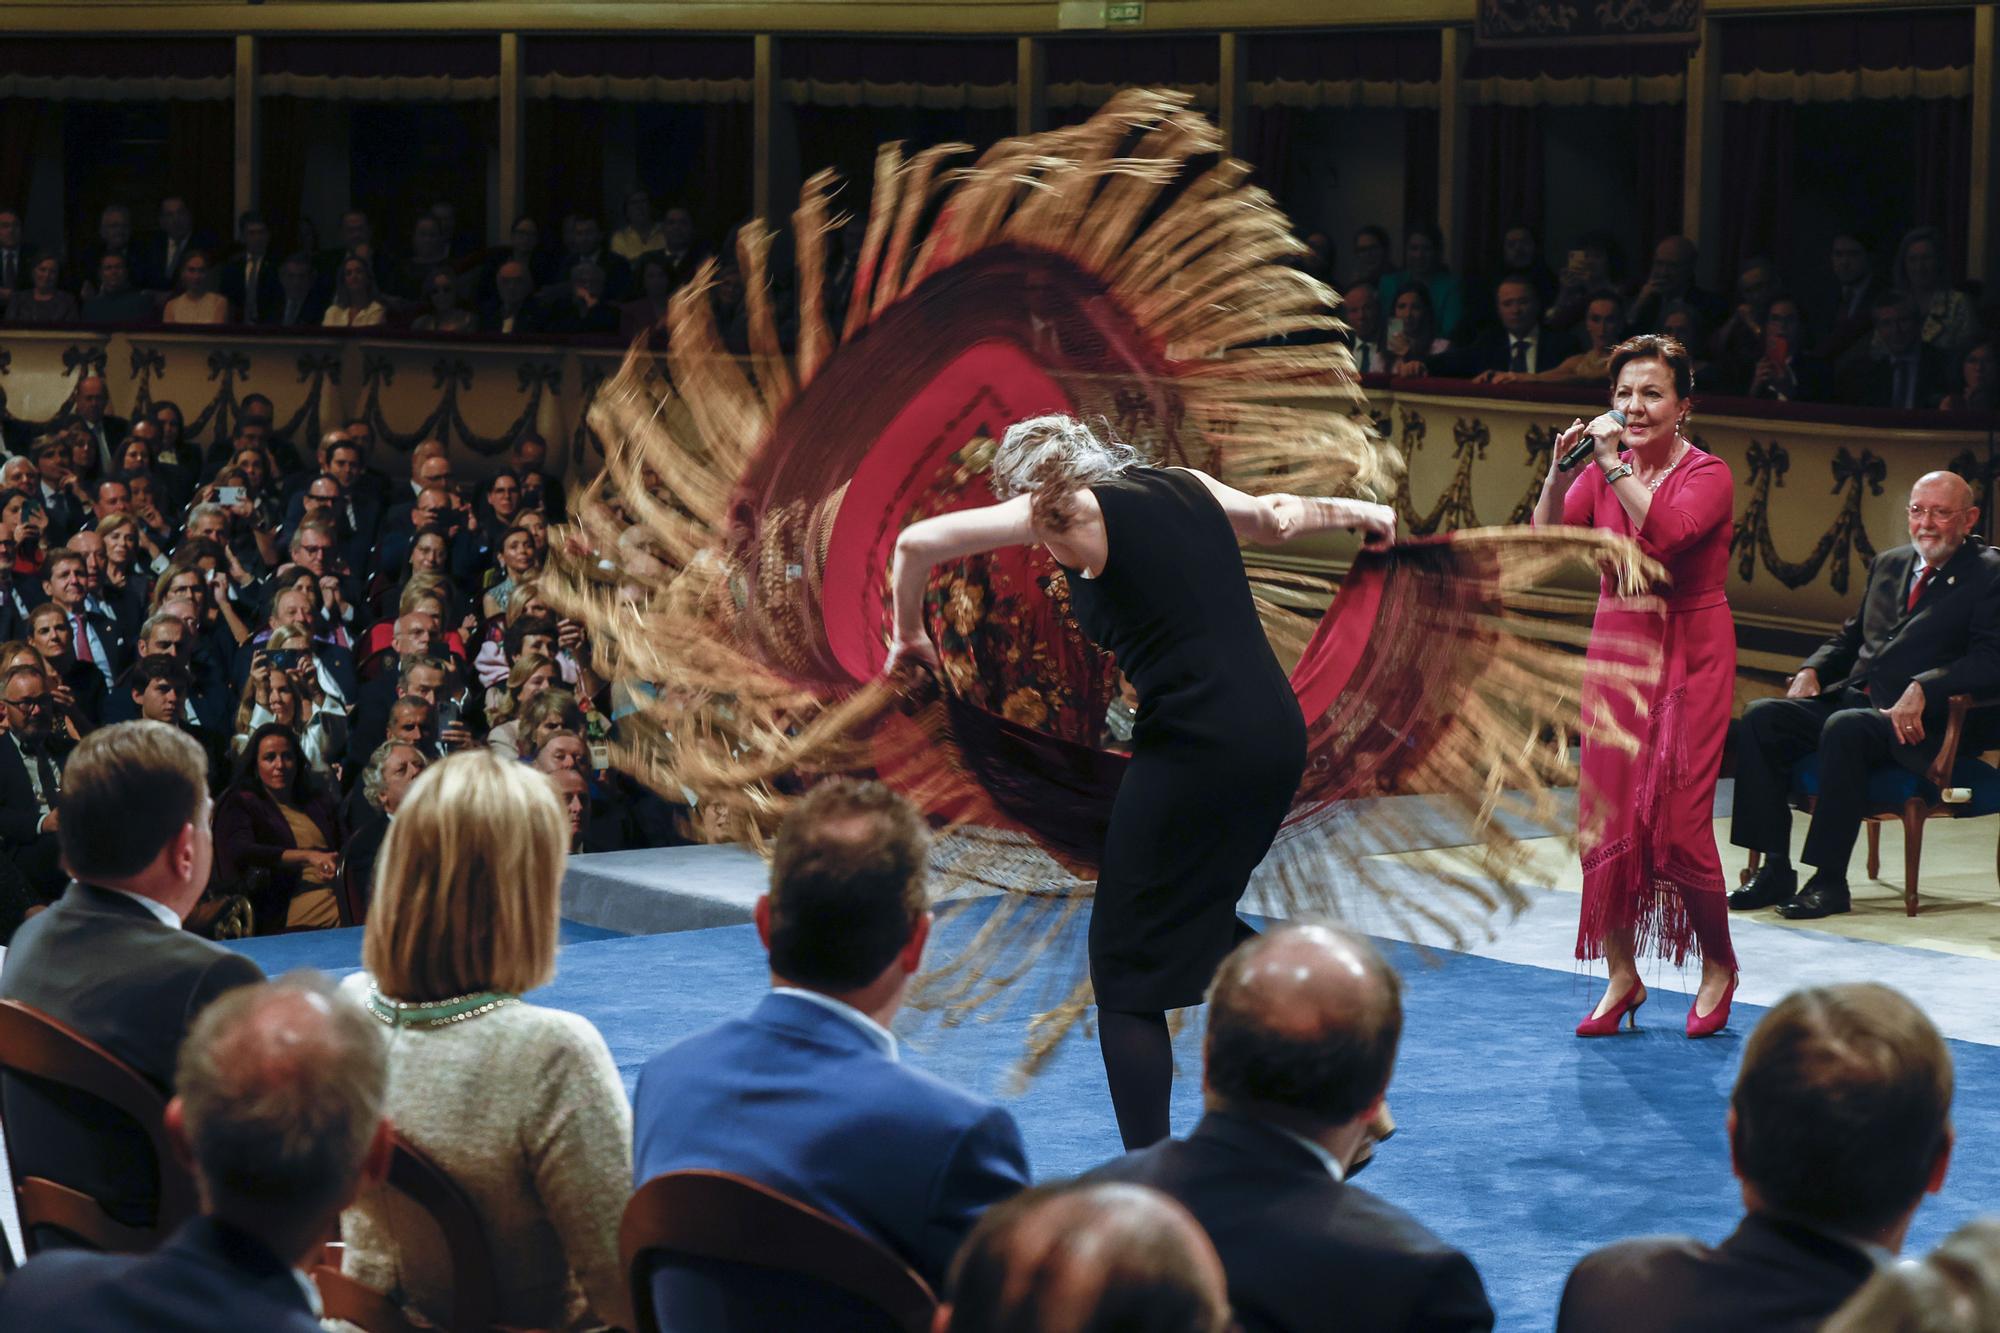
[83, 642]
[1917, 589]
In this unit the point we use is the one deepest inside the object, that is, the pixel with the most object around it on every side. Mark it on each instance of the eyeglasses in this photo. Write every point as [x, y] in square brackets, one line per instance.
[31, 702]
[1920, 512]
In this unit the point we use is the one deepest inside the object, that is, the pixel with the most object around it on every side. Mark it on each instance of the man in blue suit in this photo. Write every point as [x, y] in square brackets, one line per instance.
[807, 1094]
[279, 1107]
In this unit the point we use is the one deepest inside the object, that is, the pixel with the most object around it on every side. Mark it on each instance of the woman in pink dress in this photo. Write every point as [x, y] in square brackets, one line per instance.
[1652, 878]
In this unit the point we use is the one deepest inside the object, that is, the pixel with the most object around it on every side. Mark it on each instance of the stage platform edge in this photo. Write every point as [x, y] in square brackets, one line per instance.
[660, 890]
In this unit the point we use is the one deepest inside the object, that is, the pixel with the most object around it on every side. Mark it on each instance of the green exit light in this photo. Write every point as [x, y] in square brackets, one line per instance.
[1125, 11]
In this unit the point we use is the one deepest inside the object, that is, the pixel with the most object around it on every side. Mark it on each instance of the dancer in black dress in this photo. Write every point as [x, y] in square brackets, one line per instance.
[1219, 745]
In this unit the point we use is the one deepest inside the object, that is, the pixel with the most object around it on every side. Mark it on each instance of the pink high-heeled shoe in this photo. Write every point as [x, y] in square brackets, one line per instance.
[1606, 1024]
[1712, 1022]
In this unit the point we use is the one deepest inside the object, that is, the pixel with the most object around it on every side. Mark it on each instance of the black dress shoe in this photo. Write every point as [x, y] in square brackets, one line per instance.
[1772, 885]
[1820, 897]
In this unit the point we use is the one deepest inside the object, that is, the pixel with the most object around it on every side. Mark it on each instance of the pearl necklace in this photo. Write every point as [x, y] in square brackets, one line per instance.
[1681, 448]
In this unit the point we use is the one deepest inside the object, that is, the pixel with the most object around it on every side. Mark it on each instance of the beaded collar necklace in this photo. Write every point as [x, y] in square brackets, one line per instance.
[426, 1014]
[1681, 448]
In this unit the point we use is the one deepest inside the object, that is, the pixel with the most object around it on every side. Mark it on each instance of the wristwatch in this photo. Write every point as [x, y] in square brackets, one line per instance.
[1612, 474]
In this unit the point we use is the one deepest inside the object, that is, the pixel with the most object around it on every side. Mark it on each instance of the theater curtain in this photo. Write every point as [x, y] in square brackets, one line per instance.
[287, 125]
[203, 135]
[699, 156]
[1659, 134]
[1944, 172]
[20, 123]
[1420, 166]
[1756, 183]
[1503, 156]
[564, 162]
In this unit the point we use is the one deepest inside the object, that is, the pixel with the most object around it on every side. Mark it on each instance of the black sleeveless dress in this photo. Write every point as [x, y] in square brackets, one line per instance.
[1217, 750]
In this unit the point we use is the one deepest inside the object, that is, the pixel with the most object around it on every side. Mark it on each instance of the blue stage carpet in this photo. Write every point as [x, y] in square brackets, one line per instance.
[1517, 1141]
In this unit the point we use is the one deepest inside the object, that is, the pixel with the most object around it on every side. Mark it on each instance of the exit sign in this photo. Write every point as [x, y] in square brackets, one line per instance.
[1125, 12]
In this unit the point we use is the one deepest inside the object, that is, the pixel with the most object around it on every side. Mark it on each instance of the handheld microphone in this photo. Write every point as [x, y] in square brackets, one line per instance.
[1586, 446]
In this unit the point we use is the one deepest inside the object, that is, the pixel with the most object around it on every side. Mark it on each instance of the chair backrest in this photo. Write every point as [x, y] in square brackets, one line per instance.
[473, 1298]
[758, 1257]
[35, 1046]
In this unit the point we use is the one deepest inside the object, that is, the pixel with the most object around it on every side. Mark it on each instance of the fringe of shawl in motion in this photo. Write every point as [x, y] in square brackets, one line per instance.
[1118, 269]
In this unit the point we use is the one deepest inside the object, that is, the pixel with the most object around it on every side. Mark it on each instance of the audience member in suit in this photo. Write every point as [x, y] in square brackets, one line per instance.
[1953, 1289]
[530, 462]
[1909, 373]
[1671, 279]
[385, 781]
[512, 308]
[415, 637]
[808, 1094]
[114, 237]
[250, 280]
[581, 306]
[1303, 1025]
[91, 411]
[300, 303]
[278, 836]
[165, 251]
[158, 688]
[584, 238]
[117, 300]
[31, 766]
[110, 959]
[278, 1104]
[682, 253]
[78, 688]
[1847, 315]
[1361, 306]
[96, 635]
[1088, 1256]
[17, 257]
[57, 488]
[19, 593]
[464, 922]
[1520, 345]
[355, 519]
[1840, 1123]
[1874, 693]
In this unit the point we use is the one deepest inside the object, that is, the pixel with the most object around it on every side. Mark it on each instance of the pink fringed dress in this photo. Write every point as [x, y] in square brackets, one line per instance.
[1650, 864]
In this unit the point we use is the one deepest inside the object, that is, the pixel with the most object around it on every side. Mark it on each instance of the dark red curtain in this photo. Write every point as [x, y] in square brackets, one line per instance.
[287, 127]
[203, 136]
[20, 124]
[1420, 166]
[564, 162]
[1756, 183]
[1503, 175]
[1943, 157]
[1267, 144]
[1659, 137]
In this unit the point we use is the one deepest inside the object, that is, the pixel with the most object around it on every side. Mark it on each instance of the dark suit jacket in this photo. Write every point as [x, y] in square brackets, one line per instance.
[798, 1098]
[1873, 383]
[528, 319]
[308, 316]
[1769, 1276]
[106, 967]
[270, 292]
[19, 812]
[1949, 644]
[1492, 350]
[1302, 1250]
[153, 250]
[209, 1277]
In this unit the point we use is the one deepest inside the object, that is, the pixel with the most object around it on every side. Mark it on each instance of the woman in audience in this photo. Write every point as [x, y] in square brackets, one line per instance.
[1652, 876]
[216, 615]
[356, 304]
[518, 562]
[561, 750]
[277, 835]
[1682, 322]
[1424, 268]
[196, 303]
[499, 505]
[550, 712]
[384, 782]
[41, 302]
[24, 513]
[124, 586]
[295, 697]
[442, 312]
[531, 675]
[464, 920]
[1950, 323]
[1413, 332]
[1976, 380]
[173, 425]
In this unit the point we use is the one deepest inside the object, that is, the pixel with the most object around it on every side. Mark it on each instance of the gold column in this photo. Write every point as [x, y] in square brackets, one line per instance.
[1455, 44]
[764, 115]
[1979, 225]
[1232, 91]
[1031, 85]
[1701, 195]
[513, 196]
[246, 138]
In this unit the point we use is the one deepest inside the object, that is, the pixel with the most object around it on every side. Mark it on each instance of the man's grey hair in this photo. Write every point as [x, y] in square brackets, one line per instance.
[372, 777]
[206, 511]
[282, 1088]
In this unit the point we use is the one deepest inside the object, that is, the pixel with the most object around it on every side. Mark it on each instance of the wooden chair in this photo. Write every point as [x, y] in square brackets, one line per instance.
[738, 1256]
[473, 1298]
[1954, 787]
[35, 1046]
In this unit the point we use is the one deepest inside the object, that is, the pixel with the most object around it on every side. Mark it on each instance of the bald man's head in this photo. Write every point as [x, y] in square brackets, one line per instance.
[1303, 1021]
[1086, 1259]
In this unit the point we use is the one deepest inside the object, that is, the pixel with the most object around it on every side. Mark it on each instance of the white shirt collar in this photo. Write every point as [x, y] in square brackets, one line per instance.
[168, 917]
[874, 1031]
[1317, 1149]
[1527, 338]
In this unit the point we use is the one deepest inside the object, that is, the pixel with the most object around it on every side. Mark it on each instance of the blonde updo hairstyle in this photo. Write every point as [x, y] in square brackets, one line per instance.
[1051, 458]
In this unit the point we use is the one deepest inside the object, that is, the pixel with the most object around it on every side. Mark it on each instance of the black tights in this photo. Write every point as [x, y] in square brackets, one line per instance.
[1139, 1065]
